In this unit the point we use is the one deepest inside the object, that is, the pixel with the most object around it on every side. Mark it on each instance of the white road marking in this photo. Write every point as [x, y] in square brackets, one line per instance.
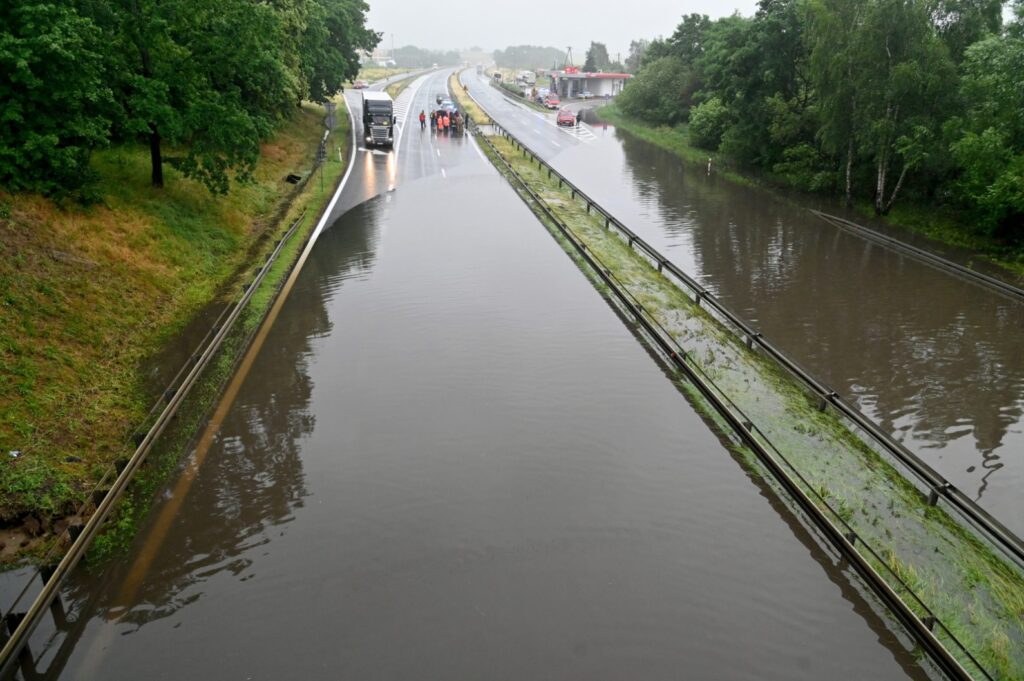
[478, 149]
[444, 174]
[407, 96]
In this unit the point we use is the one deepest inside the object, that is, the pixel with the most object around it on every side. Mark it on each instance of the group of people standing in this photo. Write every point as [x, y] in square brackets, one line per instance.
[442, 121]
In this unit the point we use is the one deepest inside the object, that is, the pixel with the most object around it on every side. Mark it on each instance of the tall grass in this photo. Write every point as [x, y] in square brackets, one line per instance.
[90, 293]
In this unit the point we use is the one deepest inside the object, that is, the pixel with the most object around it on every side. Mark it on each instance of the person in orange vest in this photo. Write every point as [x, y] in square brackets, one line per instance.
[423, 120]
[447, 122]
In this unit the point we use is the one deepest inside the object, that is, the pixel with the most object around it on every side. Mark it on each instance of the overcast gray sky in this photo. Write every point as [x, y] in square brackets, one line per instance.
[460, 24]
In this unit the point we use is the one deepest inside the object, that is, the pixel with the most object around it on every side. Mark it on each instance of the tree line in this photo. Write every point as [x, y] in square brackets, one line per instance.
[881, 100]
[414, 57]
[211, 77]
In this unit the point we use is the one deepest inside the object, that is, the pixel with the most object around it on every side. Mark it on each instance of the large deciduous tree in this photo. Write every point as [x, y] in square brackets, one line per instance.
[54, 104]
[833, 27]
[597, 58]
[214, 77]
[637, 49]
[903, 83]
[989, 149]
[961, 23]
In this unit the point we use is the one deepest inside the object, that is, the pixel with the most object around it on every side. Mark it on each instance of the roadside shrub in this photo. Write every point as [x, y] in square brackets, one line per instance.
[708, 123]
[661, 93]
[804, 168]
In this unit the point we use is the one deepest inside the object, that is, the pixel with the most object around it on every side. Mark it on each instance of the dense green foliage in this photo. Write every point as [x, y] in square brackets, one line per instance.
[637, 50]
[210, 77]
[56, 105]
[529, 57]
[878, 100]
[413, 57]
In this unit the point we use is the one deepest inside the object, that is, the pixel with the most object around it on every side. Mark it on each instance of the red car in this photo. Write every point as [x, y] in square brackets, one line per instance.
[552, 102]
[566, 117]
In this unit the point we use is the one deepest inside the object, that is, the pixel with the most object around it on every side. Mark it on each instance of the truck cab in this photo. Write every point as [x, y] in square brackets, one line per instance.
[378, 119]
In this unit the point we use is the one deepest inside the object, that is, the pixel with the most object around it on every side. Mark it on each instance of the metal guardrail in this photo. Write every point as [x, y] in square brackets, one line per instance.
[21, 625]
[938, 487]
[925, 627]
[922, 255]
[840, 534]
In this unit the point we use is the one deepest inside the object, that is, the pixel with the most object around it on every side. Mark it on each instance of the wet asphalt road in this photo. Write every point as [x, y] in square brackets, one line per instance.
[450, 459]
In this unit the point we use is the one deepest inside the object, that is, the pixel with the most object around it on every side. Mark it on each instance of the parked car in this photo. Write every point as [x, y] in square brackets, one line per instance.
[360, 84]
[441, 96]
[552, 102]
[586, 94]
[565, 117]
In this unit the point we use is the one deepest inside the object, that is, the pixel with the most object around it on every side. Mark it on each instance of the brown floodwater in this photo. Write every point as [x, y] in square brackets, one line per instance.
[935, 360]
[451, 459]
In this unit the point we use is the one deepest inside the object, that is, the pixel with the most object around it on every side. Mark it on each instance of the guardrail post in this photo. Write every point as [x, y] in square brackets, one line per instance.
[933, 493]
[57, 610]
[25, 660]
[751, 337]
[825, 399]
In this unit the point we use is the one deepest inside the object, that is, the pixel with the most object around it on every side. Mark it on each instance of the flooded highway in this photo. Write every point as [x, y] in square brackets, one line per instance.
[936, 361]
[451, 459]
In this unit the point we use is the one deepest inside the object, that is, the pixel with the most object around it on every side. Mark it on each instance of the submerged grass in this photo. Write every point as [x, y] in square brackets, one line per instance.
[973, 591]
[939, 224]
[89, 294]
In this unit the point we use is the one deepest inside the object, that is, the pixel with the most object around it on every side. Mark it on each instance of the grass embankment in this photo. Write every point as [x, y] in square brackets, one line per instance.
[396, 88]
[465, 102]
[939, 224]
[975, 593]
[89, 294]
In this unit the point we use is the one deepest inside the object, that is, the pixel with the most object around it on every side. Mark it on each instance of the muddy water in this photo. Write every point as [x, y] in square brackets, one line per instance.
[452, 460]
[936, 361]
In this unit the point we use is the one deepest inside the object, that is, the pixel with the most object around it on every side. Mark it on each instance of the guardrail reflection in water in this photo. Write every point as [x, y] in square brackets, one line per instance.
[936, 638]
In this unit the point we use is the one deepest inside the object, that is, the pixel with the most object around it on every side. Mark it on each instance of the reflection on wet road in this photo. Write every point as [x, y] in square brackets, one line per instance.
[452, 460]
[936, 361]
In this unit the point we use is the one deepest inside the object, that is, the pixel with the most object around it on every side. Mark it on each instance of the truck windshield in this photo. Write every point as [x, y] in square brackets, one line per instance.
[379, 107]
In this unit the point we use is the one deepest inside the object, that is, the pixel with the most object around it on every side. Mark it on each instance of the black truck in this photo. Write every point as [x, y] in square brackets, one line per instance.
[378, 118]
